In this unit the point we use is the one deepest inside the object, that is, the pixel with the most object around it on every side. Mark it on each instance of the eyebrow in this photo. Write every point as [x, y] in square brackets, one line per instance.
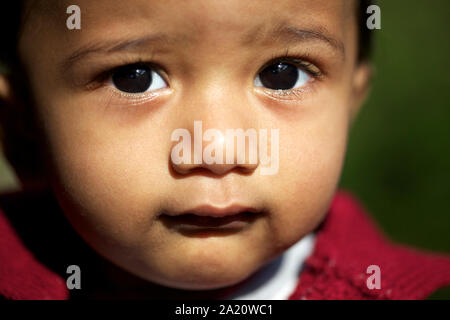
[287, 33]
[113, 46]
[279, 33]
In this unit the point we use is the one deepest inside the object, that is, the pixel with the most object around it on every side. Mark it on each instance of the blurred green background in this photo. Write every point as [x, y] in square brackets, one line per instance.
[398, 161]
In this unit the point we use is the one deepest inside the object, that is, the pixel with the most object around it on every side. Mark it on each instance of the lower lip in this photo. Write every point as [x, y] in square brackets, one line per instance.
[204, 225]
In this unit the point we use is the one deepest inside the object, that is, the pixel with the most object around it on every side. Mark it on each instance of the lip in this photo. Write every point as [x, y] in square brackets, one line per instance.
[207, 220]
[215, 211]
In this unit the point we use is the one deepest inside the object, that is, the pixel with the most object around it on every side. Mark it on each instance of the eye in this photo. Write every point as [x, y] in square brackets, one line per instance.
[281, 76]
[137, 78]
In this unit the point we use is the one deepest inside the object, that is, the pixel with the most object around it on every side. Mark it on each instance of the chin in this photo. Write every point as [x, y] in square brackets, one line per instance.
[206, 276]
[204, 283]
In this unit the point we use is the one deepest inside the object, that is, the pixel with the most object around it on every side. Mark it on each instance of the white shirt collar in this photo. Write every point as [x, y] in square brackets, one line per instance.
[277, 279]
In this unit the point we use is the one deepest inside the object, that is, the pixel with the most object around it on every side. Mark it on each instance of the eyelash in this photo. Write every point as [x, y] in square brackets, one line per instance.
[301, 62]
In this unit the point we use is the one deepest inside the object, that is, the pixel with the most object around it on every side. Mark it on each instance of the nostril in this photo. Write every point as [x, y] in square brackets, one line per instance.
[221, 169]
[181, 168]
[216, 169]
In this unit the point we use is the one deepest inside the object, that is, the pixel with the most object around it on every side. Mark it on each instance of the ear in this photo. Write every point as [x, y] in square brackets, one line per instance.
[5, 89]
[13, 110]
[361, 85]
[18, 137]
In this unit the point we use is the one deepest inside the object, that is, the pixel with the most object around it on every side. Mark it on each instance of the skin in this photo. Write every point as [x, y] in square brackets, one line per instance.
[109, 154]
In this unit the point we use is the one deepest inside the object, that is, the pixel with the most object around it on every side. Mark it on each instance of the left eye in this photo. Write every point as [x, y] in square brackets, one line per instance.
[281, 76]
[137, 79]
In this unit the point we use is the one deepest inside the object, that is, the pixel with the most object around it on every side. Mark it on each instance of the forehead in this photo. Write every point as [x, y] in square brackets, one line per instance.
[194, 18]
[188, 26]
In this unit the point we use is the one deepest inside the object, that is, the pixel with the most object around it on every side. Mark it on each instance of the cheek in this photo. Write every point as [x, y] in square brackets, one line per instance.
[110, 172]
[312, 150]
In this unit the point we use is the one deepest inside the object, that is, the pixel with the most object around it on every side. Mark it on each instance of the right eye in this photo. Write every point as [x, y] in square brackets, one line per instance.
[137, 78]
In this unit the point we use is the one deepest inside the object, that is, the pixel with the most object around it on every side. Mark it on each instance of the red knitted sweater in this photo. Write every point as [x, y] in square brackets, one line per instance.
[347, 242]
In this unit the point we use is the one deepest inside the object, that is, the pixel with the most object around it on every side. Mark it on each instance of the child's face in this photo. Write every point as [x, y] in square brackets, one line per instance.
[110, 150]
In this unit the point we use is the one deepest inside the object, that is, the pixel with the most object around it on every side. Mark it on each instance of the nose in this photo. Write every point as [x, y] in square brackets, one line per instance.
[216, 135]
[214, 151]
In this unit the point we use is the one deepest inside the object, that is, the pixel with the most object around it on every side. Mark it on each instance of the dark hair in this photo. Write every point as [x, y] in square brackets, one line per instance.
[25, 152]
[10, 21]
[365, 38]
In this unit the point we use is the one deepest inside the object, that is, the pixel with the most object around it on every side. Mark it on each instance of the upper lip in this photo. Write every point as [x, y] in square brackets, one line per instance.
[215, 211]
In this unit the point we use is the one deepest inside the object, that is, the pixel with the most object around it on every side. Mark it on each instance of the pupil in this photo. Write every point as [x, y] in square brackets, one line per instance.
[132, 79]
[279, 76]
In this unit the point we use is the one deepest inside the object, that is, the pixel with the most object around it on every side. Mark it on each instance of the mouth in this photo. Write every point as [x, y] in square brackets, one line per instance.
[208, 220]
